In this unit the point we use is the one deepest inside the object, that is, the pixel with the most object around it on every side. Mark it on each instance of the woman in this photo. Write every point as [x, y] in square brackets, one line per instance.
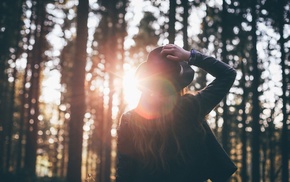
[164, 139]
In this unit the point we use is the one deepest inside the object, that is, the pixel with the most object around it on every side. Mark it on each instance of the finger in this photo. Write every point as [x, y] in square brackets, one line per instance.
[167, 51]
[169, 46]
[172, 58]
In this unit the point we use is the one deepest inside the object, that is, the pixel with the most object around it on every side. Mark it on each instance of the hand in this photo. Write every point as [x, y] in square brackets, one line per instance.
[175, 53]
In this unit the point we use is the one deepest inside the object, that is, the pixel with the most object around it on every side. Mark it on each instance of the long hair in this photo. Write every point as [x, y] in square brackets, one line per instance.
[170, 138]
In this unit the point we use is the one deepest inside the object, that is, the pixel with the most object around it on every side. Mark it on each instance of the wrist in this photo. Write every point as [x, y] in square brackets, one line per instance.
[186, 55]
[192, 57]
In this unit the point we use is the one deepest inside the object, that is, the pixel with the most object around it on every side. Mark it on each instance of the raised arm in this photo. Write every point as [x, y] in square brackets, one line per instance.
[214, 92]
[224, 75]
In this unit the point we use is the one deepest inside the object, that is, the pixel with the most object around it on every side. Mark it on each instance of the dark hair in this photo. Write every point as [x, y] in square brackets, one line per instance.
[163, 141]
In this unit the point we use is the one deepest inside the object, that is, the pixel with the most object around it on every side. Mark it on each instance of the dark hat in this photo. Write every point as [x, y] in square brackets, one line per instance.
[158, 74]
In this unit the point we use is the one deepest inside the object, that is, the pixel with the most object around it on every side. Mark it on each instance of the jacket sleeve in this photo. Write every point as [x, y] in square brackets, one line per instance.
[125, 163]
[214, 92]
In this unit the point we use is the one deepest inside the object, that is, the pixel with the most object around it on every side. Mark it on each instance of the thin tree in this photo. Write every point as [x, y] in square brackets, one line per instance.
[12, 109]
[111, 68]
[244, 66]
[255, 98]
[100, 38]
[9, 38]
[172, 20]
[284, 135]
[185, 15]
[24, 95]
[244, 174]
[33, 93]
[67, 54]
[224, 34]
[78, 95]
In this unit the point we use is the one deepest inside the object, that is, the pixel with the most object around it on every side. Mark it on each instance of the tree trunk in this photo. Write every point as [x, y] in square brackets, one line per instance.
[64, 151]
[55, 167]
[255, 99]
[264, 161]
[12, 96]
[185, 6]
[244, 174]
[22, 119]
[33, 111]
[78, 95]
[111, 64]
[225, 115]
[272, 146]
[107, 133]
[98, 134]
[172, 20]
[284, 135]
[3, 60]
[25, 99]
[10, 18]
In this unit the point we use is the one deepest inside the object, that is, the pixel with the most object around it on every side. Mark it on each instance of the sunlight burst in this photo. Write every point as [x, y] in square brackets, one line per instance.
[131, 93]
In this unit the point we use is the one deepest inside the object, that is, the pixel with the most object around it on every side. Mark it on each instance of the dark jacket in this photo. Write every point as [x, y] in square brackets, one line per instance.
[130, 169]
